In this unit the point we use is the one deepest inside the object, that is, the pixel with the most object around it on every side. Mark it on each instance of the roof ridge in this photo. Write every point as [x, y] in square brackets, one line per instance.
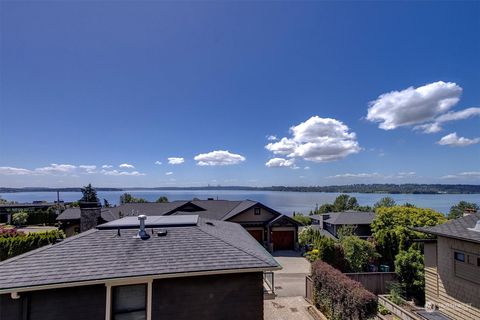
[240, 202]
[236, 247]
[43, 248]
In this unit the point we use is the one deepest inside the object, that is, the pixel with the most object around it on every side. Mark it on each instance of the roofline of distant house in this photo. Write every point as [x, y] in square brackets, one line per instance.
[440, 234]
[136, 279]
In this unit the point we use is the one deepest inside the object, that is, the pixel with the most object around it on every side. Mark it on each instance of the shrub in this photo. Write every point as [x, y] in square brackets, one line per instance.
[339, 297]
[409, 267]
[358, 253]
[20, 218]
[13, 243]
[305, 220]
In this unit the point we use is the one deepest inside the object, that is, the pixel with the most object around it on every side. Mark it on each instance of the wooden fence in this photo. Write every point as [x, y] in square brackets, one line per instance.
[376, 282]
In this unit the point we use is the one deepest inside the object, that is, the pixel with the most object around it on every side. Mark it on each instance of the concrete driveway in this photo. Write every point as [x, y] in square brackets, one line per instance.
[286, 308]
[290, 281]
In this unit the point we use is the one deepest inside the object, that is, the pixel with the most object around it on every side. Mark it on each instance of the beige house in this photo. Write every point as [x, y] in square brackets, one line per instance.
[452, 268]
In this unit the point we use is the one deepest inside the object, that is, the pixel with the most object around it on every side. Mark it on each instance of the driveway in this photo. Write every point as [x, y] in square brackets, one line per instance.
[286, 308]
[290, 281]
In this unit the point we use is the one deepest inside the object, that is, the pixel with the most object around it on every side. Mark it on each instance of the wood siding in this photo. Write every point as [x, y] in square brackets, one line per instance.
[250, 216]
[456, 297]
[76, 303]
[233, 297]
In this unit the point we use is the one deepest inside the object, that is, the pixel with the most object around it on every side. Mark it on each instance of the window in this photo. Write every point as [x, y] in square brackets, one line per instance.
[459, 256]
[129, 302]
[256, 211]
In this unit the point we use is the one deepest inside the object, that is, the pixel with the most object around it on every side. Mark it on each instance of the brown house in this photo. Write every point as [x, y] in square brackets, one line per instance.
[452, 268]
[272, 229]
[165, 267]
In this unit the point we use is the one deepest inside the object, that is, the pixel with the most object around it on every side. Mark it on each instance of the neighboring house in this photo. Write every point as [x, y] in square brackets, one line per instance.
[331, 223]
[271, 228]
[70, 219]
[452, 267]
[176, 267]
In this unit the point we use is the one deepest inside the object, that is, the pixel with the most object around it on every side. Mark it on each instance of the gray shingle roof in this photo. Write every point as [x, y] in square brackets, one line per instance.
[107, 214]
[458, 228]
[102, 254]
[347, 217]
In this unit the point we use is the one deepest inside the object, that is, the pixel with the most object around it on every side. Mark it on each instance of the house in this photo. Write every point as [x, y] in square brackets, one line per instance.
[271, 228]
[157, 267]
[452, 267]
[330, 223]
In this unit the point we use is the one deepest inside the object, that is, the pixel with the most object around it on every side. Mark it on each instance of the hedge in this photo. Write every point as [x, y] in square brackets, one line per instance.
[13, 243]
[340, 298]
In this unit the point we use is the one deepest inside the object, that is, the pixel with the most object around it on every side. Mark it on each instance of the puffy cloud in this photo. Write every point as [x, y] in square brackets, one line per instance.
[463, 175]
[218, 158]
[453, 140]
[168, 173]
[317, 139]
[459, 115]
[11, 171]
[158, 162]
[107, 166]
[121, 173]
[126, 166]
[280, 162]
[272, 138]
[56, 169]
[413, 106]
[88, 168]
[175, 160]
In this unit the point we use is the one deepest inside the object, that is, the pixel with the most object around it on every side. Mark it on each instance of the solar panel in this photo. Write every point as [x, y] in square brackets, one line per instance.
[152, 222]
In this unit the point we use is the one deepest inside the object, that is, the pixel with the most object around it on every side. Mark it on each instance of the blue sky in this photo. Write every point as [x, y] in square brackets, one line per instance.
[351, 87]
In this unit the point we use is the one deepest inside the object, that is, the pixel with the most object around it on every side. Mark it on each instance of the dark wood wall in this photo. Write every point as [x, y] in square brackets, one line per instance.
[217, 297]
[76, 303]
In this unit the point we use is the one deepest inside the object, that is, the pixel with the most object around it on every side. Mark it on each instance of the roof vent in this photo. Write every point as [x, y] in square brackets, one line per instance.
[162, 233]
[142, 233]
[476, 228]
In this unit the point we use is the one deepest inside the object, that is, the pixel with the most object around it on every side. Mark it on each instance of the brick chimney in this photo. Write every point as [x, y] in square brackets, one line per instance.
[89, 215]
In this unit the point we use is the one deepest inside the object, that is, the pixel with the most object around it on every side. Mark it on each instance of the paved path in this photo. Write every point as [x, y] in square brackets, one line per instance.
[286, 308]
[290, 281]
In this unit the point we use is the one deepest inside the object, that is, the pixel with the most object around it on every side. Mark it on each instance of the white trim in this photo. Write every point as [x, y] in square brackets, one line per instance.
[126, 282]
[137, 279]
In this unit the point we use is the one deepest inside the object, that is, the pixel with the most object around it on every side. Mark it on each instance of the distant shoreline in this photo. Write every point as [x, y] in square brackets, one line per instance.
[355, 188]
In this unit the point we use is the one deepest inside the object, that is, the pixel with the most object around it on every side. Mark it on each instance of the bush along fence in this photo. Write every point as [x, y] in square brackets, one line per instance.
[13, 243]
[340, 298]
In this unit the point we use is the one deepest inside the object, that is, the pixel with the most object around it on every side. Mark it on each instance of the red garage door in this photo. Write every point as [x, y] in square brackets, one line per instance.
[283, 240]
[257, 234]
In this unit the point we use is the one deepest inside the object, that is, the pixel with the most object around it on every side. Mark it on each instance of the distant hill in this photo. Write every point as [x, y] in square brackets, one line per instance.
[352, 188]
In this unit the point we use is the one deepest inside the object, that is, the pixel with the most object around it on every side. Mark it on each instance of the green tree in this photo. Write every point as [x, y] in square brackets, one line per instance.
[325, 208]
[384, 202]
[305, 220]
[20, 218]
[409, 267]
[358, 253]
[392, 228]
[128, 198]
[162, 199]
[457, 210]
[89, 194]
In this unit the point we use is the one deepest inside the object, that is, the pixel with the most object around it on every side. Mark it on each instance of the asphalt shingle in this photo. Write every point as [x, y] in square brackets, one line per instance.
[458, 228]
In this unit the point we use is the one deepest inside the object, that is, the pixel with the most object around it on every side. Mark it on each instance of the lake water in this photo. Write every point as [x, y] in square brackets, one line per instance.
[285, 202]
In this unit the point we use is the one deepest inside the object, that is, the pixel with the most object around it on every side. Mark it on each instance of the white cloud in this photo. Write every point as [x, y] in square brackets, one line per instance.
[56, 169]
[370, 175]
[175, 160]
[459, 115]
[280, 162]
[126, 166]
[272, 138]
[169, 173]
[218, 158]
[306, 168]
[463, 175]
[453, 140]
[413, 106]
[121, 173]
[11, 171]
[88, 168]
[357, 175]
[317, 139]
[158, 162]
[433, 127]
[107, 166]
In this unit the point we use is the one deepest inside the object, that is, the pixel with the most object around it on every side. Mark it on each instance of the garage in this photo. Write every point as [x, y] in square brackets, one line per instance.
[257, 234]
[283, 240]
